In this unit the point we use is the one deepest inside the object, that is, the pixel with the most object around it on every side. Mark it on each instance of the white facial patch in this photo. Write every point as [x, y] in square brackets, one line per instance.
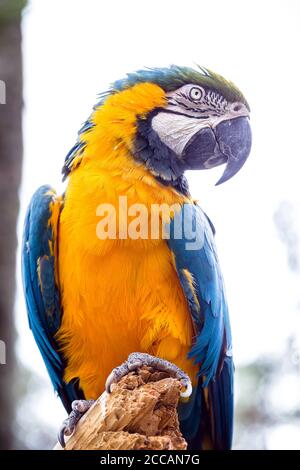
[175, 130]
[191, 108]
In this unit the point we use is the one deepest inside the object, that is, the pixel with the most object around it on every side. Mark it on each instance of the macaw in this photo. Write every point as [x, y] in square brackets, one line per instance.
[97, 302]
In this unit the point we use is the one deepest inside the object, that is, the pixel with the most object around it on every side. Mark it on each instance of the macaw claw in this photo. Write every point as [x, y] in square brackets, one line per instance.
[137, 360]
[79, 408]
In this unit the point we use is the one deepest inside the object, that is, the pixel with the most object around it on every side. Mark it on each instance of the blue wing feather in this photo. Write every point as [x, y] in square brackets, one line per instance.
[42, 293]
[197, 255]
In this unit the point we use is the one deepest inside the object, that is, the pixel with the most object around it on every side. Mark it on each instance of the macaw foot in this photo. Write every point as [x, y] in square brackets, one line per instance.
[137, 360]
[79, 408]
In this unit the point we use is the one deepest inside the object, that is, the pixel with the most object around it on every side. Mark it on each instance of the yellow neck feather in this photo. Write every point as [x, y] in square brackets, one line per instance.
[107, 161]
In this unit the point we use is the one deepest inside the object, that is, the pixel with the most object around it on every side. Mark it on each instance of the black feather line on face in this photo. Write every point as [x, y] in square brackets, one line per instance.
[171, 111]
[161, 161]
[211, 102]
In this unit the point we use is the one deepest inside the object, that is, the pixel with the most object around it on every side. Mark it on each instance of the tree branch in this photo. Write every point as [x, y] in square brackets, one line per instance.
[140, 413]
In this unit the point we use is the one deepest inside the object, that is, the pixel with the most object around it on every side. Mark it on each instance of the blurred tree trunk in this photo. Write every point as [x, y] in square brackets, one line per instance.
[10, 177]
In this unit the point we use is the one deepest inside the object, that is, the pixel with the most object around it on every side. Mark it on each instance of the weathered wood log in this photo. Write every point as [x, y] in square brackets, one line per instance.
[140, 413]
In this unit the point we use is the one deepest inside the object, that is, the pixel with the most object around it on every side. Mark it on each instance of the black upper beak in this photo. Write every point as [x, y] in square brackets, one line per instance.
[229, 142]
[234, 139]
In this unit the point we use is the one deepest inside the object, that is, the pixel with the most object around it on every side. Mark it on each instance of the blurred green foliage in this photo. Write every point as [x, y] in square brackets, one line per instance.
[11, 9]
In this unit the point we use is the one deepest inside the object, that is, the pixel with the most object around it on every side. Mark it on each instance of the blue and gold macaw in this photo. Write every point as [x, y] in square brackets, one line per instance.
[94, 300]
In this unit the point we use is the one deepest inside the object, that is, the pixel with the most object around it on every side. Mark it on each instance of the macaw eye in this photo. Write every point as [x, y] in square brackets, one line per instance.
[196, 93]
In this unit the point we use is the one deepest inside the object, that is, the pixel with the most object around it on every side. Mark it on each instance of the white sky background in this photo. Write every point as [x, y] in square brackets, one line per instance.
[74, 48]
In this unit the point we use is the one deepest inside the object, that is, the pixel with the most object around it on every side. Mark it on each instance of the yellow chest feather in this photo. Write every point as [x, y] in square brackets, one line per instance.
[118, 296]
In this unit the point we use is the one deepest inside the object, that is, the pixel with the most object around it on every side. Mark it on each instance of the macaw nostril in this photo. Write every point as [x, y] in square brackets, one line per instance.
[237, 108]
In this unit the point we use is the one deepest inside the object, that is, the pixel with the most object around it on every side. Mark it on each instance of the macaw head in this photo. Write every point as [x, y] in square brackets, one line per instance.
[172, 120]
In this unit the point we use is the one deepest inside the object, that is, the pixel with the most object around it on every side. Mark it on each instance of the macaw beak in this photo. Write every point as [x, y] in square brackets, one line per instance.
[229, 142]
[234, 138]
